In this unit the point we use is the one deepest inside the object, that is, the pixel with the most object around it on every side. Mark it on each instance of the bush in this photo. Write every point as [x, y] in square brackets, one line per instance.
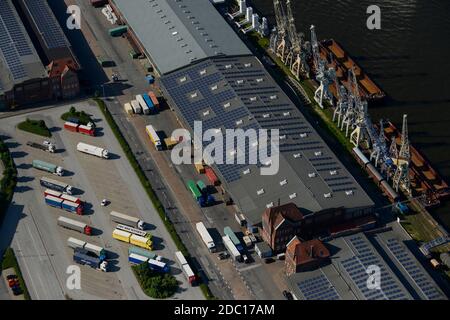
[82, 116]
[8, 181]
[36, 127]
[155, 285]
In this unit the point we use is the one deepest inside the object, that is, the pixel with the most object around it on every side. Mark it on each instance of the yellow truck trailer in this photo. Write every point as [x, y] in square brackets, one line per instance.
[132, 239]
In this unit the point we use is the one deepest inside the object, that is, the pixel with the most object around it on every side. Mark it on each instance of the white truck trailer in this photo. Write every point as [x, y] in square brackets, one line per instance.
[234, 252]
[93, 150]
[136, 107]
[206, 237]
[143, 104]
[127, 220]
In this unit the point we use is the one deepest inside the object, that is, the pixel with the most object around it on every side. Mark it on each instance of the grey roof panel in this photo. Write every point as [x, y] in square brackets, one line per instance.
[19, 60]
[223, 91]
[176, 33]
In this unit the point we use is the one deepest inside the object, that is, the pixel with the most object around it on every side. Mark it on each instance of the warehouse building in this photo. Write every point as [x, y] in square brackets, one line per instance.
[23, 77]
[345, 277]
[209, 75]
[39, 71]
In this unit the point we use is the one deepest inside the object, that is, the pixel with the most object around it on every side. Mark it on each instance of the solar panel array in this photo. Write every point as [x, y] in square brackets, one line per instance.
[46, 23]
[254, 95]
[426, 247]
[357, 265]
[13, 43]
[318, 288]
[417, 274]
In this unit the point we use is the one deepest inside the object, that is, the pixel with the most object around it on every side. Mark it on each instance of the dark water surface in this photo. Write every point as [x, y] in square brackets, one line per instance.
[409, 58]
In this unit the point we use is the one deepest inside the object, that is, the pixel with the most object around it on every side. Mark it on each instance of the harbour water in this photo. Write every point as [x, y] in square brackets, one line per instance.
[409, 58]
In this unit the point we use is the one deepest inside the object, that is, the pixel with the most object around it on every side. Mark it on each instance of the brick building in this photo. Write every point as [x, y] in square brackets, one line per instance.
[303, 256]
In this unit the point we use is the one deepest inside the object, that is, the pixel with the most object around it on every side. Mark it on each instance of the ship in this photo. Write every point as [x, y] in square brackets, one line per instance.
[338, 59]
[425, 181]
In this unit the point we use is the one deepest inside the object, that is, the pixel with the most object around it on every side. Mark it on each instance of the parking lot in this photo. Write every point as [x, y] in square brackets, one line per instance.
[40, 244]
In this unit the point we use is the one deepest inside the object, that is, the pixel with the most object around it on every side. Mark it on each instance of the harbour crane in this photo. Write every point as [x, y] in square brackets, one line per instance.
[401, 176]
[279, 41]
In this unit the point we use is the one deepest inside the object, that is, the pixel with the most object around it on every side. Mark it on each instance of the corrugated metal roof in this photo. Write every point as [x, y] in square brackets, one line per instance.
[176, 33]
[237, 92]
[19, 60]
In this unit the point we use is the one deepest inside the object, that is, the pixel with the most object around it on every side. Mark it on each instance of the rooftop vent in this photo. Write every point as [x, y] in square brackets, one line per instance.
[273, 97]
[226, 105]
[214, 87]
[202, 72]
[333, 172]
[286, 114]
[246, 171]
[303, 135]
[228, 66]
[266, 115]
[240, 81]
[206, 113]
[239, 122]
[349, 192]
[318, 153]
[327, 195]
[269, 205]
[247, 65]
[297, 155]
[183, 79]
[260, 192]
[259, 80]
[284, 182]
[194, 95]
[253, 99]
[293, 195]
[312, 175]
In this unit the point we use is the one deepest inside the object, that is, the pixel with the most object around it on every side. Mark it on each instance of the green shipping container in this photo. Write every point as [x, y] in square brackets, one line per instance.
[202, 186]
[117, 32]
[141, 252]
[194, 190]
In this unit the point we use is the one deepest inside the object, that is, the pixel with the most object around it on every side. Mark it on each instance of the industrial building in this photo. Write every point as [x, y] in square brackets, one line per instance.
[36, 60]
[345, 277]
[209, 75]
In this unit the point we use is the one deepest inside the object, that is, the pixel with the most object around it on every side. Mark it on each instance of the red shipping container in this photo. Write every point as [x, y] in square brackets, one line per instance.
[86, 130]
[211, 176]
[152, 96]
[71, 198]
[71, 126]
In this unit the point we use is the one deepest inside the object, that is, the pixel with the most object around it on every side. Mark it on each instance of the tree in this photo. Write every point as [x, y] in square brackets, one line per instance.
[72, 110]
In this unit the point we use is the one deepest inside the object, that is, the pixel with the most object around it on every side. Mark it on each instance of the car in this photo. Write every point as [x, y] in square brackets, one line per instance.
[11, 276]
[13, 282]
[288, 295]
[17, 292]
[104, 203]
[245, 259]
[269, 260]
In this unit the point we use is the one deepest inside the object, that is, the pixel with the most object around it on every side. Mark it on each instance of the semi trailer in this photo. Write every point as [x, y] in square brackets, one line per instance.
[135, 231]
[45, 166]
[93, 150]
[145, 108]
[64, 204]
[132, 239]
[187, 270]
[99, 252]
[206, 237]
[56, 185]
[127, 220]
[231, 248]
[46, 146]
[75, 127]
[233, 237]
[81, 256]
[143, 252]
[158, 266]
[74, 225]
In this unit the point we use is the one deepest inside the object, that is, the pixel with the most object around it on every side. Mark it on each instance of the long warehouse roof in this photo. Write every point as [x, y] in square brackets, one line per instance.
[238, 92]
[19, 60]
[402, 275]
[176, 33]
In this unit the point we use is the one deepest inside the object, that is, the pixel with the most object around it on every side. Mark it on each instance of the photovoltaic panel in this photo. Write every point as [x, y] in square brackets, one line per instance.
[356, 268]
[10, 53]
[318, 288]
[417, 274]
[14, 28]
[47, 24]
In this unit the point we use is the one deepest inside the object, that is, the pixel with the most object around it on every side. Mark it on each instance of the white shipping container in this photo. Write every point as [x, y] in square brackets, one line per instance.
[77, 224]
[206, 237]
[75, 243]
[93, 150]
[53, 193]
[180, 258]
[136, 107]
[128, 108]
[93, 248]
[234, 252]
[127, 220]
[143, 104]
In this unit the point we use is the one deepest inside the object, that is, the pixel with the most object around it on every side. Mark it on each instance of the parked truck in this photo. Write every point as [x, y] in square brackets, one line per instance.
[81, 256]
[149, 102]
[64, 204]
[185, 267]
[234, 252]
[145, 108]
[74, 225]
[233, 237]
[46, 146]
[93, 150]
[99, 252]
[62, 196]
[206, 237]
[136, 107]
[45, 166]
[56, 185]
[128, 108]
[127, 220]
[144, 253]
[158, 266]
[132, 239]
[135, 231]
[155, 101]
[75, 127]
[137, 259]
[212, 177]
[117, 32]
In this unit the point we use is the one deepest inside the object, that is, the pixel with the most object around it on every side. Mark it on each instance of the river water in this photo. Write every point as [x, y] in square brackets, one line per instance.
[409, 58]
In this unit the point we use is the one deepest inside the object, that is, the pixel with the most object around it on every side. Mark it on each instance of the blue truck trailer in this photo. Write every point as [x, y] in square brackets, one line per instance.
[81, 256]
[150, 103]
[158, 266]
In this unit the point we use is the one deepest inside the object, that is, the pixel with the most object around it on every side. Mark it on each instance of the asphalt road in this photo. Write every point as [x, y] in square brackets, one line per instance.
[40, 245]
